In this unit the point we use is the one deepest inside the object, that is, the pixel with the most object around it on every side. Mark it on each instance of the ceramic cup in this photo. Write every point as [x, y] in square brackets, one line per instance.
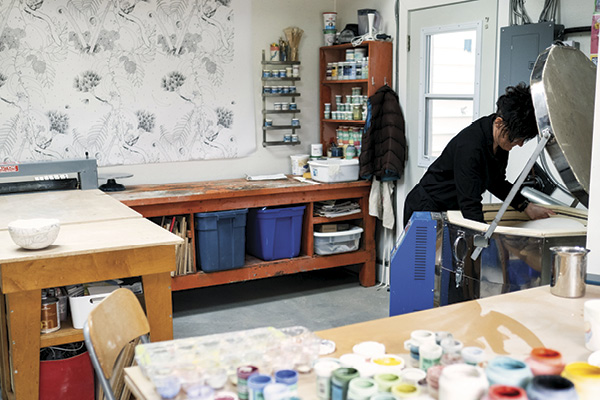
[591, 320]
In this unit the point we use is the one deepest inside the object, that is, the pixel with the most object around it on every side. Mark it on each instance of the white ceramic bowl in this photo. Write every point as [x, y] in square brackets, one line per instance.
[33, 234]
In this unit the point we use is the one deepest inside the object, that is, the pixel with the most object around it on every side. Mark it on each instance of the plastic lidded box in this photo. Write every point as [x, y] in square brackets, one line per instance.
[220, 239]
[337, 242]
[274, 233]
[334, 170]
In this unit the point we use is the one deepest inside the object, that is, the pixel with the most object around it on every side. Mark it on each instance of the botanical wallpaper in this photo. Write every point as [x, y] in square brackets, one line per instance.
[125, 81]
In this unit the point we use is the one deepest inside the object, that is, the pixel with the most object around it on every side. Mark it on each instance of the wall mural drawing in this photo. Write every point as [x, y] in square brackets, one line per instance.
[126, 81]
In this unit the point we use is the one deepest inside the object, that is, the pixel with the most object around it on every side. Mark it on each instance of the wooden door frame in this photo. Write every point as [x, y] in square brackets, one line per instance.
[404, 8]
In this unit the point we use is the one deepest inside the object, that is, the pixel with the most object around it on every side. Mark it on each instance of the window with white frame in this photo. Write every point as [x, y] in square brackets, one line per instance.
[449, 85]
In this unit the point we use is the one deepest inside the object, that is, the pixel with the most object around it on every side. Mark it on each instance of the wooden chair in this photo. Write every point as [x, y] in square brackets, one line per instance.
[110, 327]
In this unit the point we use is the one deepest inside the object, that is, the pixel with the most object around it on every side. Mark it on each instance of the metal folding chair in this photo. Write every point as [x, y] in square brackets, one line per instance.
[110, 327]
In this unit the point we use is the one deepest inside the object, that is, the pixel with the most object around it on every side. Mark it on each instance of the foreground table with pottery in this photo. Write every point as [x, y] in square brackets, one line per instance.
[509, 324]
[99, 239]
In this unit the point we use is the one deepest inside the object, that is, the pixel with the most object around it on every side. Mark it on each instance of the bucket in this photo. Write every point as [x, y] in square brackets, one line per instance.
[329, 37]
[67, 379]
[569, 265]
[299, 164]
[329, 19]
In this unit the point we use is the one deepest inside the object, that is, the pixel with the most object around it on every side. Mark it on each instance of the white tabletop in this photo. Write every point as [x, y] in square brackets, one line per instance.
[91, 237]
[68, 206]
[91, 222]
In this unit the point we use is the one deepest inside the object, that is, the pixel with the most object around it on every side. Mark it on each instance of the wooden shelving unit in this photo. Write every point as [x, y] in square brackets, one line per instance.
[380, 56]
[268, 105]
[210, 196]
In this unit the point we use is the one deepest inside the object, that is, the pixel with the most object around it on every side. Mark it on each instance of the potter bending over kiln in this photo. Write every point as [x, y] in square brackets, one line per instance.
[475, 160]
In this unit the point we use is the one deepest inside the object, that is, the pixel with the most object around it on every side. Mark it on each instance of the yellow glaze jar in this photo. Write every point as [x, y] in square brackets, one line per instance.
[586, 379]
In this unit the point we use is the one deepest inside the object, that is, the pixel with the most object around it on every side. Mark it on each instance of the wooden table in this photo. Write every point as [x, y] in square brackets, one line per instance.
[100, 239]
[509, 324]
[231, 194]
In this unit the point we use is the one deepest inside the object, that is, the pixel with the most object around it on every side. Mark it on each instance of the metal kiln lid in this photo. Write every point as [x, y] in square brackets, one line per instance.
[563, 85]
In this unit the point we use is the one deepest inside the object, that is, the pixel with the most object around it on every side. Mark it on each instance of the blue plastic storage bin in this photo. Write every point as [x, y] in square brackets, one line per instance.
[274, 233]
[220, 239]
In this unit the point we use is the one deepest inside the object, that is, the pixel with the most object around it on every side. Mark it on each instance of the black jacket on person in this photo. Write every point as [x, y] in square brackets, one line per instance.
[383, 151]
[462, 173]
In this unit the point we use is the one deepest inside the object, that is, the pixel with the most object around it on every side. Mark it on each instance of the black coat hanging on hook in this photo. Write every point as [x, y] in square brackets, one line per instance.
[384, 149]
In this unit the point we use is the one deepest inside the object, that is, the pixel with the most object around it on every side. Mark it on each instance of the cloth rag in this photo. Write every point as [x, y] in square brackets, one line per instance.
[381, 203]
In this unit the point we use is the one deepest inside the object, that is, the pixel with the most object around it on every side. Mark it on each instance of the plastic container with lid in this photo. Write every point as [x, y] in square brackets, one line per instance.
[334, 170]
[220, 239]
[337, 242]
[323, 370]
[243, 373]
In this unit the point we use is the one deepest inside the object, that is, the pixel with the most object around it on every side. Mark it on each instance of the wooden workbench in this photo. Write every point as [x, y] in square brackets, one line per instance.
[508, 324]
[209, 196]
[100, 239]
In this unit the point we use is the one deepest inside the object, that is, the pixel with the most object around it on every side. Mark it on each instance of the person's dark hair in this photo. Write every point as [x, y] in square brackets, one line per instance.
[515, 107]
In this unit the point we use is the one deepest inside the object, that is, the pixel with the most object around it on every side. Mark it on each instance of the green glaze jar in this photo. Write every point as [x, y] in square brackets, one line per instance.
[340, 380]
[386, 381]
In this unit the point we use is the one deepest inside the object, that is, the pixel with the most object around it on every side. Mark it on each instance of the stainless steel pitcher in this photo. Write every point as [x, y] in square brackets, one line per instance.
[569, 265]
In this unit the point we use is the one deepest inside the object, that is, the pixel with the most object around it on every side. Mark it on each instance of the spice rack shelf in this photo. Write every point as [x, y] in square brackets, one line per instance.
[292, 79]
[281, 111]
[211, 196]
[344, 81]
[346, 121]
[266, 62]
[281, 95]
[289, 138]
[380, 57]
[281, 143]
[277, 127]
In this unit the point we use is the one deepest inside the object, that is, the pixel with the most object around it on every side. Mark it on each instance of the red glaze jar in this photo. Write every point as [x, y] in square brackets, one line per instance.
[503, 392]
[543, 361]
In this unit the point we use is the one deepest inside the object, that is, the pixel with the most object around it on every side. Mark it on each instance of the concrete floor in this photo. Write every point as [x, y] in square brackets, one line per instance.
[317, 300]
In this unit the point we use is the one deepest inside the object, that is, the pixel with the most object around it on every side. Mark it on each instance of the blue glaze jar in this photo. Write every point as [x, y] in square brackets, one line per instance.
[508, 371]
[551, 387]
[256, 385]
[288, 377]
